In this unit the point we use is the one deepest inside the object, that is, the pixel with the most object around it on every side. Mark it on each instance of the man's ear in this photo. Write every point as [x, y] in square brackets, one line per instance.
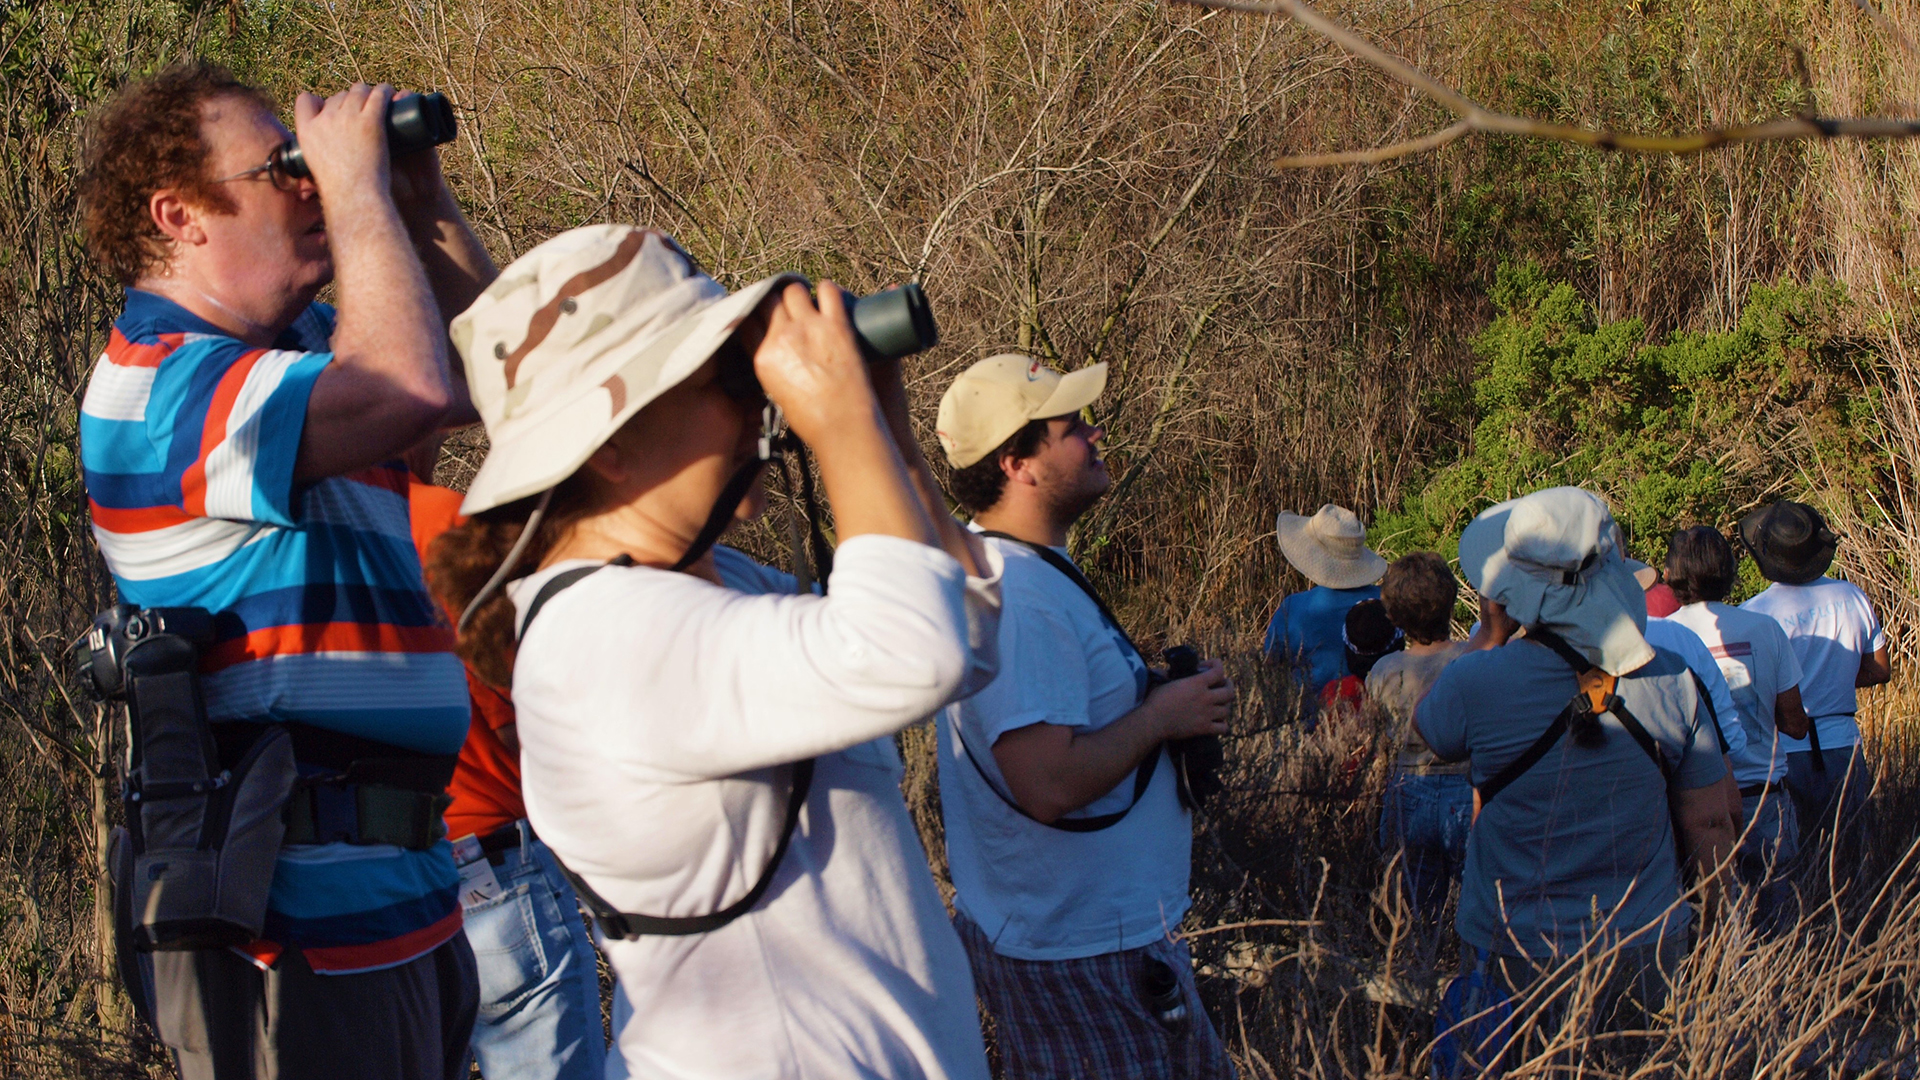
[1018, 469]
[176, 218]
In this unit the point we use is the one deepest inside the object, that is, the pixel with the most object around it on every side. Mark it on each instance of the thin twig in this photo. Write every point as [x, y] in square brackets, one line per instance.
[1477, 117]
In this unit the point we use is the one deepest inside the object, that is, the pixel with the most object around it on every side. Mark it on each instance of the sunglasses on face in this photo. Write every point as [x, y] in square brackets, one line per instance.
[274, 169]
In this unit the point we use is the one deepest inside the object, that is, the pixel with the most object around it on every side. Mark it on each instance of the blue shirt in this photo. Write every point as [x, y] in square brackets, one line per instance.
[189, 439]
[1309, 633]
[1585, 831]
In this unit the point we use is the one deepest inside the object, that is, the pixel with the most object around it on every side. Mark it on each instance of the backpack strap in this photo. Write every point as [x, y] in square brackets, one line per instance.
[1142, 778]
[1713, 714]
[1142, 774]
[630, 925]
[1596, 695]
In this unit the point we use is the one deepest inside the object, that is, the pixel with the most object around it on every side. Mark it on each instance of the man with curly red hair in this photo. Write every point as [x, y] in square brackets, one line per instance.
[241, 446]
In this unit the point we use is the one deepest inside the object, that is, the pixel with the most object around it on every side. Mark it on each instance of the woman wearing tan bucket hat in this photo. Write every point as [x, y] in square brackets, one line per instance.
[706, 752]
[1330, 550]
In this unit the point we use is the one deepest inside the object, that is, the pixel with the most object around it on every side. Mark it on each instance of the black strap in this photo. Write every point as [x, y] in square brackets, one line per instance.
[718, 518]
[1531, 756]
[1142, 777]
[1142, 774]
[1065, 566]
[1713, 714]
[630, 925]
[1813, 743]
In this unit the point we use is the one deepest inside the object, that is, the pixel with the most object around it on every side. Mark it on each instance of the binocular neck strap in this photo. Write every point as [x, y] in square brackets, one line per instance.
[772, 439]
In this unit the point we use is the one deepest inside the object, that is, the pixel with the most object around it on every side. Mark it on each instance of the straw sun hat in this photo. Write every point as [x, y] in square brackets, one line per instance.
[1330, 548]
[575, 337]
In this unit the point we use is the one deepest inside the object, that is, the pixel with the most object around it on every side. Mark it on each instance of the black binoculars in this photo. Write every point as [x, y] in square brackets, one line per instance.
[889, 325]
[414, 122]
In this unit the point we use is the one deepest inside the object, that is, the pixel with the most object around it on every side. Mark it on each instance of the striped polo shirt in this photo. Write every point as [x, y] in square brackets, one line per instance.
[188, 438]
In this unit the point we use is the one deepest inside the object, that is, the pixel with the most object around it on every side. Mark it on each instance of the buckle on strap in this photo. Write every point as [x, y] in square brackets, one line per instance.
[1596, 687]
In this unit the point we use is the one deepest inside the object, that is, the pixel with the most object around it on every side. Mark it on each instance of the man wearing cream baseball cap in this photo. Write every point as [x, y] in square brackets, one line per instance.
[1066, 832]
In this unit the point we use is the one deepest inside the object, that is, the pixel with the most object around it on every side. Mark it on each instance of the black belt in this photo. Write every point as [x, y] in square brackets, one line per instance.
[369, 792]
[1768, 788]
[497, 843]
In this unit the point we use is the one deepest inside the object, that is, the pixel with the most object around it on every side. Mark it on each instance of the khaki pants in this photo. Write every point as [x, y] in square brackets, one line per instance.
[225, 1019]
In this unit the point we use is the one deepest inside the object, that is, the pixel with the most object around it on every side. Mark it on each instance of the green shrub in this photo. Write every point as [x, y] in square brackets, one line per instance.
[1696, 429]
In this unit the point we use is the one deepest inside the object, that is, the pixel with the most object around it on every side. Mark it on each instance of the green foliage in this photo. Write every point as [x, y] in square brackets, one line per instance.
[1696, 428]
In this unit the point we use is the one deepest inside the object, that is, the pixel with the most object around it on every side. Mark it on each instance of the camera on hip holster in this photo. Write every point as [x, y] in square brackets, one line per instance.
[1198, 759]
[414, 123]
[192, 865]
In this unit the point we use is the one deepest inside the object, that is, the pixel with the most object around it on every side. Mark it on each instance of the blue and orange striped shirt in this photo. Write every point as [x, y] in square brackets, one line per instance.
[188, 438]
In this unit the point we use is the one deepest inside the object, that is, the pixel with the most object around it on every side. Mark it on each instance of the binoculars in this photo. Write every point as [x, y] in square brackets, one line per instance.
[414, 122]
[888, 325]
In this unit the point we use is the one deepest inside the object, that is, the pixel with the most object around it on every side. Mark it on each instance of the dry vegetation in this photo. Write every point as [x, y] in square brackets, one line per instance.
[1094, 181]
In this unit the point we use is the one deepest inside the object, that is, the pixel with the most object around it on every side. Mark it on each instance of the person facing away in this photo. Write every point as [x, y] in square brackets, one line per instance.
[539, 1013]
[706, 749]
[1663, 633]
[1577, 845]
[1367, 636]
[1840, 646]
[1066, 836]
[1763, 678]
[1428, 808]
[1330, 550]
[241, 445]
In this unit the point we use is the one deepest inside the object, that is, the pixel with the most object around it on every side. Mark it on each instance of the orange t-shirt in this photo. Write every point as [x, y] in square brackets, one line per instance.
[486, 780]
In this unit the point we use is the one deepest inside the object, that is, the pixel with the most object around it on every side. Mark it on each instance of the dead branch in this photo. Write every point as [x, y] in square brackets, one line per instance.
[1476, 117]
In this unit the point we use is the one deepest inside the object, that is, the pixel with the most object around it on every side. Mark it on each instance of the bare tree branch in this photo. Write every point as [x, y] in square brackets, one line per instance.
[1476, 117]
[1379, 153]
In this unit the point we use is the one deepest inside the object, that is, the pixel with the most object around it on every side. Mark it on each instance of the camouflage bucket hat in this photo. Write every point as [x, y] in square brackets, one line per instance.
[575, 337]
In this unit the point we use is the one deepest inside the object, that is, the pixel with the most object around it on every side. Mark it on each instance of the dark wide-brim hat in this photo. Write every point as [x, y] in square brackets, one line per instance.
[1790, 541]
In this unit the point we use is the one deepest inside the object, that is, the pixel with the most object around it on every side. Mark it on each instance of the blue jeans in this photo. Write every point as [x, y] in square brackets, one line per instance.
[539, 988]
[1771, 840]
[1429, 816]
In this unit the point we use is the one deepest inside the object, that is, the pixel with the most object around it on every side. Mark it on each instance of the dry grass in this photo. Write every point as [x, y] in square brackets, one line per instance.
[1086, 181]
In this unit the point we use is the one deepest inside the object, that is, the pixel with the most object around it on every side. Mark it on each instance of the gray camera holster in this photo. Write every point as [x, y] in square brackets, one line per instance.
[192, 866]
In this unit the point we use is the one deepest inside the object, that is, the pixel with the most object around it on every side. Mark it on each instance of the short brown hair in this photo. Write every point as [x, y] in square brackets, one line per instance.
[978, 486]
[1700, 565]
[1418, 593]
[148, 138]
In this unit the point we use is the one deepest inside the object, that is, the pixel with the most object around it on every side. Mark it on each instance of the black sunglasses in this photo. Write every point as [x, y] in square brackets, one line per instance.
[275, 169]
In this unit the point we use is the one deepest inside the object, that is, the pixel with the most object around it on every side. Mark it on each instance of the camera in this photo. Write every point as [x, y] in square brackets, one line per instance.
[888, 325]
[414, 122]
[1197, 760]
[126, 642]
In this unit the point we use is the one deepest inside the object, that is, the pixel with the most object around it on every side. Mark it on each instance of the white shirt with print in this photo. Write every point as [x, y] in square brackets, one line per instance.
[1759, 665]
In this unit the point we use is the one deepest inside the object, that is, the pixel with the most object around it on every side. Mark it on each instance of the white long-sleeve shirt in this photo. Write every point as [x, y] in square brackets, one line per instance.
[658, 714]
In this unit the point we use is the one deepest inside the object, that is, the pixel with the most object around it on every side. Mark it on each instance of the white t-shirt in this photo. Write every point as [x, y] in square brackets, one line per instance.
[1832, 625]
[657, 713]
[1758, 662]
[1662, 634]
[1040, 893]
